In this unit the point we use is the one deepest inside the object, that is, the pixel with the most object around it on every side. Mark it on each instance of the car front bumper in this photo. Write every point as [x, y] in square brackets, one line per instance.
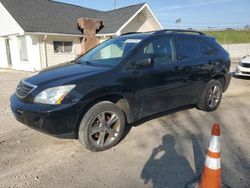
[242, 71]
[56, 120]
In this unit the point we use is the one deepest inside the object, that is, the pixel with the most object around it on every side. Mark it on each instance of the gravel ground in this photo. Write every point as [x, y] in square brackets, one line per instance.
[167, 151]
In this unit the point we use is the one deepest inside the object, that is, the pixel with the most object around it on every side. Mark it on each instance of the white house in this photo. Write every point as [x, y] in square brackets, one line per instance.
[36, 34]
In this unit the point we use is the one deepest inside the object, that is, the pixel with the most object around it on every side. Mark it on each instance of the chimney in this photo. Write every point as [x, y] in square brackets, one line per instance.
[89, 27]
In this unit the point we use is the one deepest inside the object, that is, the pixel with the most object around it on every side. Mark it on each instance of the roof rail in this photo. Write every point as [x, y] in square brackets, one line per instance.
[130, 33]
[178, 31]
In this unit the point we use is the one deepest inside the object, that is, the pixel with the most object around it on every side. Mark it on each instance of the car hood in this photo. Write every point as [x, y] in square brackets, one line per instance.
[66, 72]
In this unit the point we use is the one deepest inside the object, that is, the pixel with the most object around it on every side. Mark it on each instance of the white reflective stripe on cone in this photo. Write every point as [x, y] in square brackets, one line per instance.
[214, 144]
[212, 163]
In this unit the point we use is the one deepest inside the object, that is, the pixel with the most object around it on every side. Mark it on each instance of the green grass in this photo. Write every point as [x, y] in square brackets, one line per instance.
[229, 37]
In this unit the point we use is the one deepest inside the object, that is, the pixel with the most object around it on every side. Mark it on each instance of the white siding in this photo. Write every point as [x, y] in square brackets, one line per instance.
[142, 22]
[11, 30]
[33, 63]
[3, 55]
[104, 38]
[14, 51]
[8, 25]
[138, 24]
[33, 52]
[42, 52]
[57, 58]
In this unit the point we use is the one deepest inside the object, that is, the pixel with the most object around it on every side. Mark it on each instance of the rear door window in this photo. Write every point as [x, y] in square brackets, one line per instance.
[206, 48]
[187, 48]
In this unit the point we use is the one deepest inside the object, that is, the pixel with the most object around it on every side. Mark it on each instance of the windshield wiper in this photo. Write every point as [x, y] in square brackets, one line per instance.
[83, 62]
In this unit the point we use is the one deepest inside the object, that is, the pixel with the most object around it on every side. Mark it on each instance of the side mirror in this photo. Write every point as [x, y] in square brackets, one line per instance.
[143, 62]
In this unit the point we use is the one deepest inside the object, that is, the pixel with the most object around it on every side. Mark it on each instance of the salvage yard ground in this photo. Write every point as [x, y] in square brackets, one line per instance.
[167, 151]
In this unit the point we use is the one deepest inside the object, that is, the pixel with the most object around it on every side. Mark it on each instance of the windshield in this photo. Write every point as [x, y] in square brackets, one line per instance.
[109, 53]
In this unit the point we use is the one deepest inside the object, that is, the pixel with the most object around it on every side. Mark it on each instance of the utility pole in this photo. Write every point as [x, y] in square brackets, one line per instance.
[114, 4]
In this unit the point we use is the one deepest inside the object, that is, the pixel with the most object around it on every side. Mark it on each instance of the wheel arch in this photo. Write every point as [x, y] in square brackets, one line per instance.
[220, 78]
[115, 98]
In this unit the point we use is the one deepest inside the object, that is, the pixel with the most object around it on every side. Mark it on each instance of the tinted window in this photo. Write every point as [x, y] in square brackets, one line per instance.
[188, 48]
[161, 49]
[206, 48]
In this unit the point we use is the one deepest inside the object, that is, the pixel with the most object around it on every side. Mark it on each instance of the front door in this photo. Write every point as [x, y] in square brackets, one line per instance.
[8, 54]
[159, 86]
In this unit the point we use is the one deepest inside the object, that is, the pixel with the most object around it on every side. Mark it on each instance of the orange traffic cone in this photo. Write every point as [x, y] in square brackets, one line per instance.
[211, 174]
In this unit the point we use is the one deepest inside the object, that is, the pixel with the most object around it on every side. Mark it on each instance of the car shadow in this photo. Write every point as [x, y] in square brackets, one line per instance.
[199, 157]
[167, 168]
[161, 114]
[151, 117]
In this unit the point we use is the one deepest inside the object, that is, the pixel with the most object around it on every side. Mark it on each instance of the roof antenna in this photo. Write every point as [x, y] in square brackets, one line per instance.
[114, 4]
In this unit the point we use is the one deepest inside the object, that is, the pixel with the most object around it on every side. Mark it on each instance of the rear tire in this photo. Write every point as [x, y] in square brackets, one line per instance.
[102, 126]
[211, 96]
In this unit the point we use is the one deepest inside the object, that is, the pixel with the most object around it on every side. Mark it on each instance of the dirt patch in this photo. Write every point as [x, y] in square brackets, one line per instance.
[32, 159]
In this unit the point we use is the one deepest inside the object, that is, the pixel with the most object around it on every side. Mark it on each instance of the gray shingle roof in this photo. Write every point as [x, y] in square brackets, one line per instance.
[54, 17]
[115, 19]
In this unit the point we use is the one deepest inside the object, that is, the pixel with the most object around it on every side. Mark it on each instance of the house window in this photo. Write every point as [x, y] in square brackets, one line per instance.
[63, 47]
[23, 48]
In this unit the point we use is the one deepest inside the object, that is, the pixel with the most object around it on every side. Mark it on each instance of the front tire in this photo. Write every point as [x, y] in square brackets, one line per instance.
[102, 126]
[211, 96]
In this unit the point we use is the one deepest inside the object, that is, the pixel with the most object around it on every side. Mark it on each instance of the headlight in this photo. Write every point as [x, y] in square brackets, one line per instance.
[53, 95]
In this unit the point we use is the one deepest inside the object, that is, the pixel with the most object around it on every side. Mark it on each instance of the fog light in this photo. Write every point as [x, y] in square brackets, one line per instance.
[38, 121]
[19, 112]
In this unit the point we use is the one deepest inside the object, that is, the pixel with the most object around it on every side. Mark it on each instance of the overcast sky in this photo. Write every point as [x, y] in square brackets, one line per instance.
[194, 13]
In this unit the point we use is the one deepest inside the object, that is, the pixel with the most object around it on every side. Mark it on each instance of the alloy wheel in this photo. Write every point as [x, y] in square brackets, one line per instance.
[104, 128]
[214, 95]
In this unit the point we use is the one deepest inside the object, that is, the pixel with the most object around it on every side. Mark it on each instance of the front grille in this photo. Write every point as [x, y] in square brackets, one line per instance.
[245, 72]
[246, 65]
[24, 89]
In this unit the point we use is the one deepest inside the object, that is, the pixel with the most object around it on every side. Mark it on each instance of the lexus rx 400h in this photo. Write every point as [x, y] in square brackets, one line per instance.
[122, 81]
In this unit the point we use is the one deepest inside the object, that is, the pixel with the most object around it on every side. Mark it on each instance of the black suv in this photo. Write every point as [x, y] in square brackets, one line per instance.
[121, 81]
